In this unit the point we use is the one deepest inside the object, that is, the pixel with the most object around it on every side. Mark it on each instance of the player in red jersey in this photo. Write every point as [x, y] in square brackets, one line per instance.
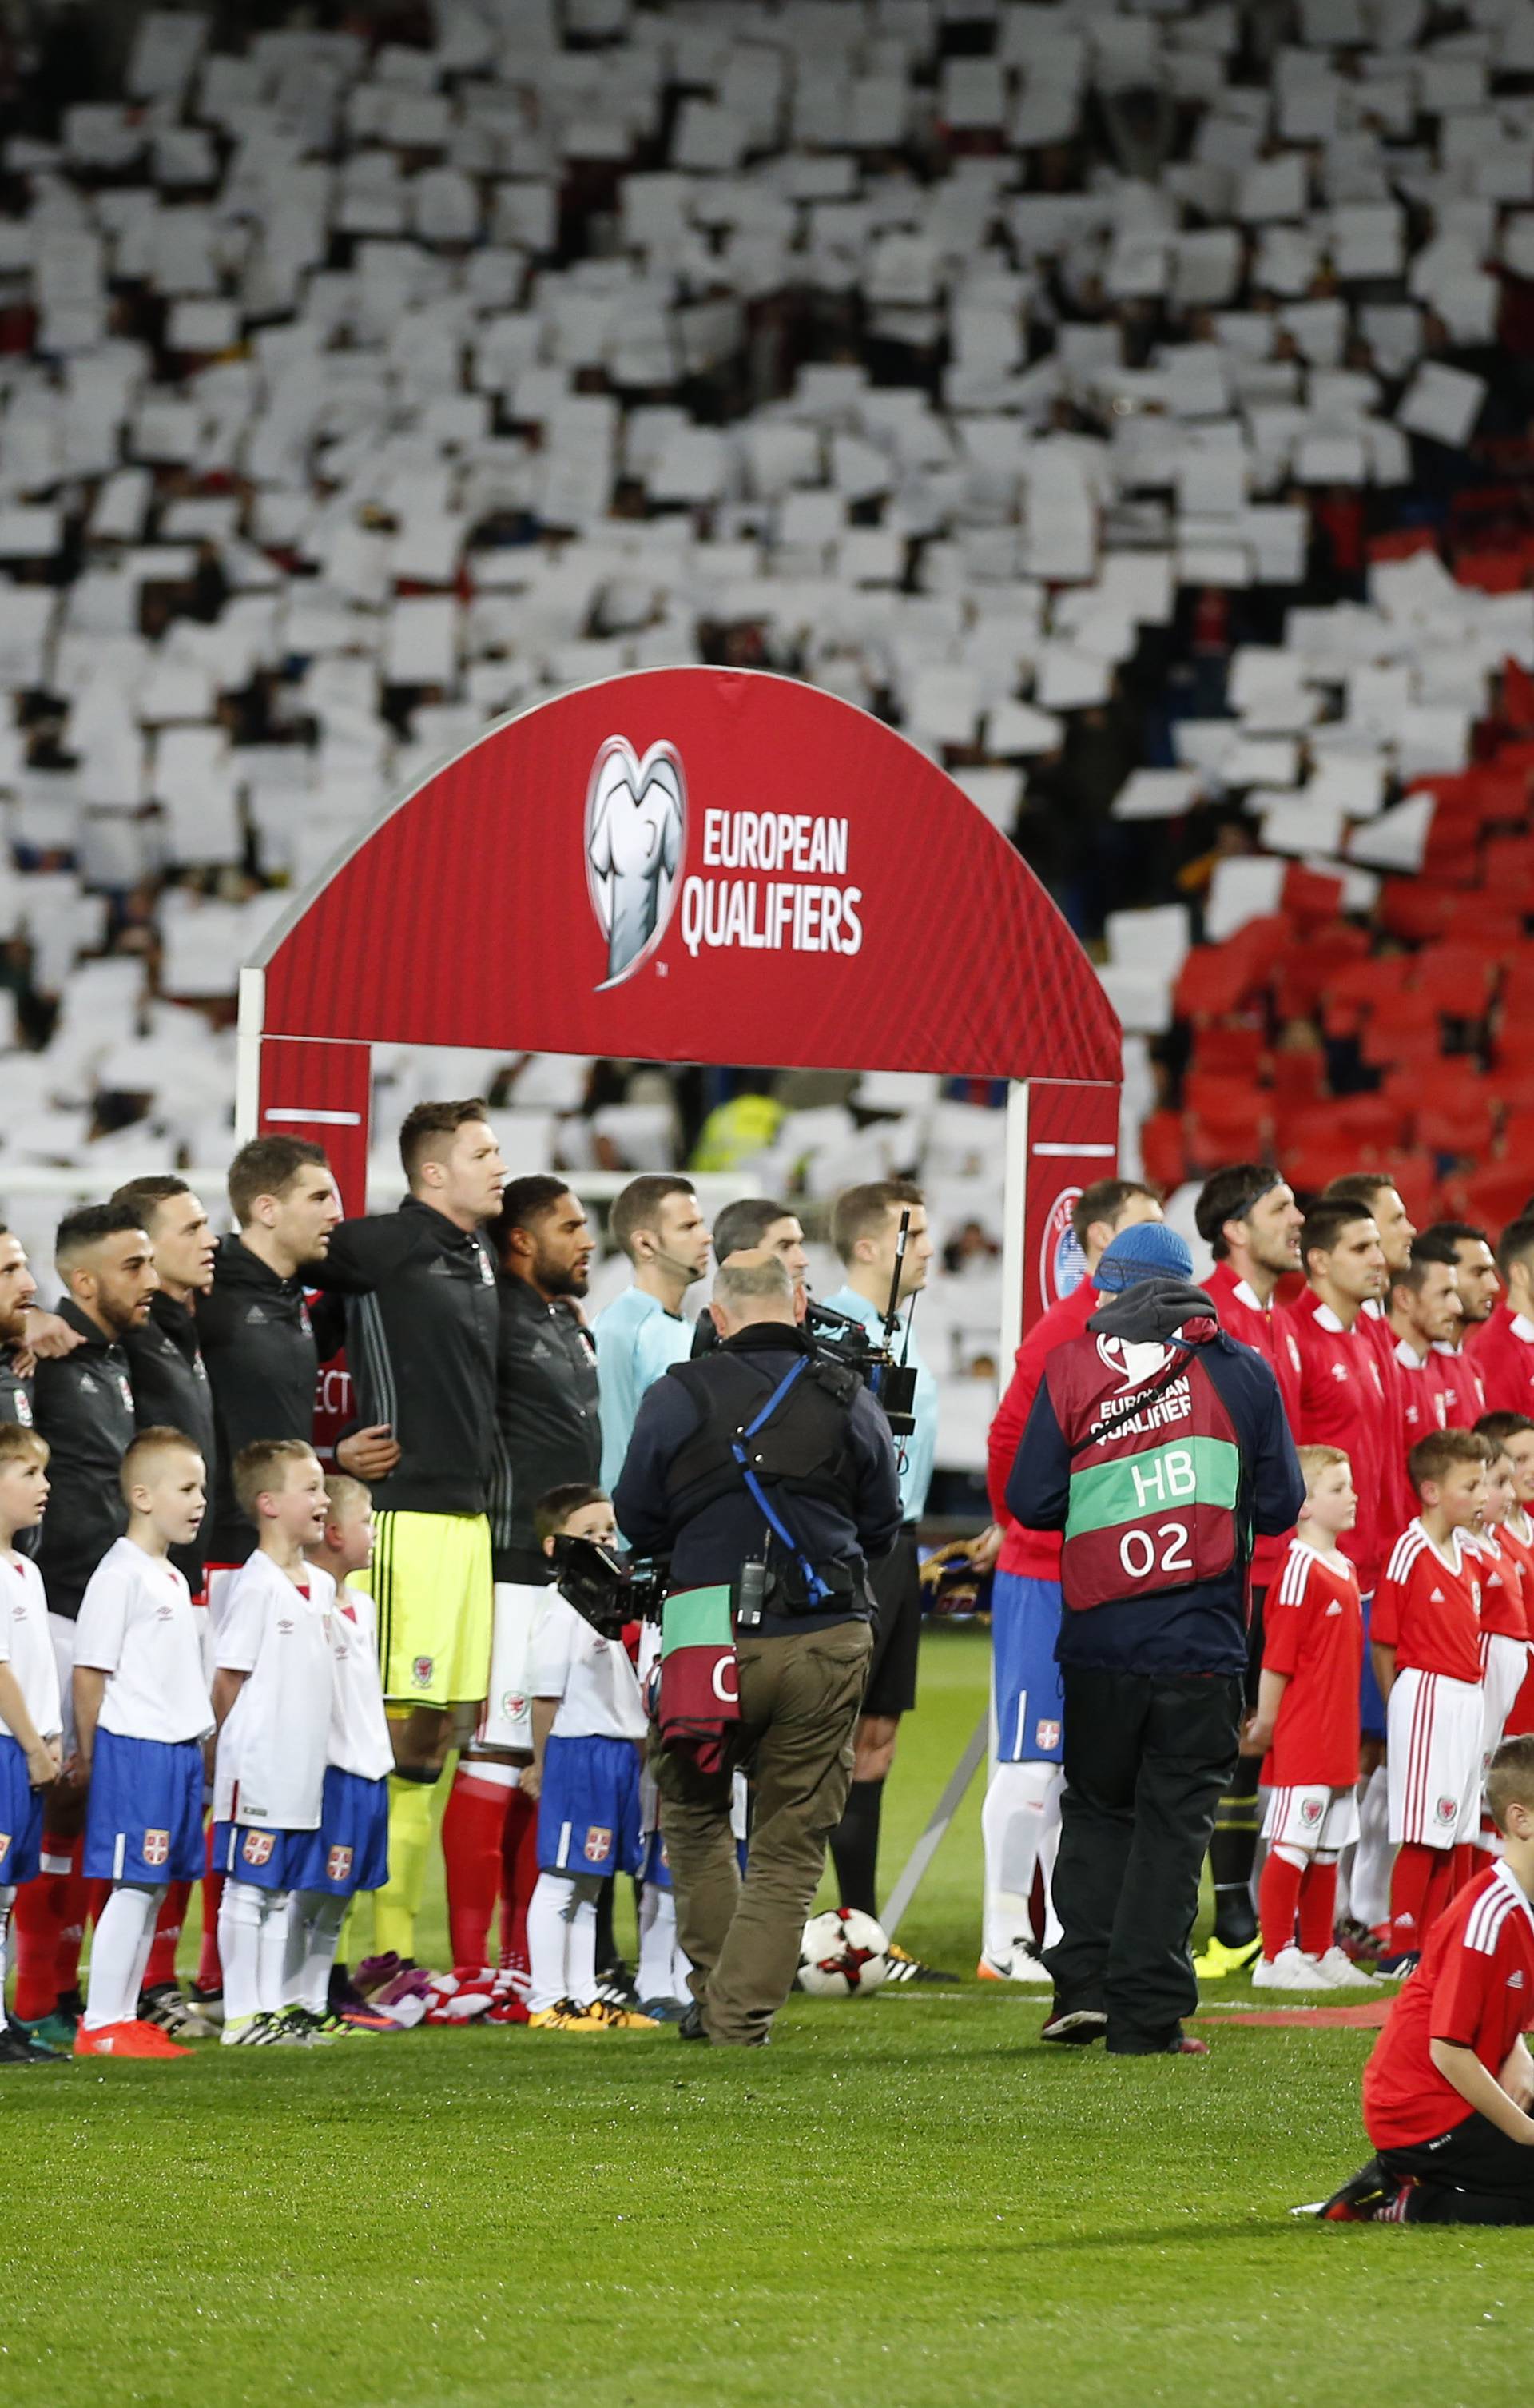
[1514, 1434]
[1448, 2089]
[1506, 1593]
[1425, 1642]
[1343, 1402]
[1474, 1265]
[1502, 1348]
[1307, 1717]
[1248, 1218]
[1020, 1820]
[1423, 1302]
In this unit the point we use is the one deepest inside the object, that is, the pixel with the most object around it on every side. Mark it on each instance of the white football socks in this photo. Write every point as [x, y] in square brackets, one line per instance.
[1021, 1815]
[119, 1950]
[1369, 1888]
[253, 1945]
[663, 1970]
[562, 1941]
[313, 1935]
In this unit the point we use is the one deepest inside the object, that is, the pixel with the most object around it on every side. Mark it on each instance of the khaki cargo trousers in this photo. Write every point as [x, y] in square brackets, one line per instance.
[798, 1698]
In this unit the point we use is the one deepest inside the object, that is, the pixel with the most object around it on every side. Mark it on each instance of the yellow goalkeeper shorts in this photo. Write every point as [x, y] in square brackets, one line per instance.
[431, 1581]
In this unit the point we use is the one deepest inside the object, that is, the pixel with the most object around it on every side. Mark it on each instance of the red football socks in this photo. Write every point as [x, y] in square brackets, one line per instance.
[167, 1933]
[471, 1848]
[1411, 1878]
[1278, 1902]
[1317, 1908]
[38, 1921]
[518, 1877]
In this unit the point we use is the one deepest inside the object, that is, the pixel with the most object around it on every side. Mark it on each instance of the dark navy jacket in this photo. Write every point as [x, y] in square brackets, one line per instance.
[1202, 1628]
[712, 1546]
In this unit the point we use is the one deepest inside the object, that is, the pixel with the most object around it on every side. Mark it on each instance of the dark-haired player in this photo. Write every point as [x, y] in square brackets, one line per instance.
[83, 1406]
[423, 1322]
[548, 1435]
[1476, 1283]
[1248, 1218]
[1502, 1348]
[1344, 1401]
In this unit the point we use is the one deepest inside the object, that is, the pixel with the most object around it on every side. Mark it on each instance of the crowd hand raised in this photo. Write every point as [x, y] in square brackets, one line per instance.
[369, 1454]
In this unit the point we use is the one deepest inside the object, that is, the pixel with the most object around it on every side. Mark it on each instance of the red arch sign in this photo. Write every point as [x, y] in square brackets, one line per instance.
[683, 865]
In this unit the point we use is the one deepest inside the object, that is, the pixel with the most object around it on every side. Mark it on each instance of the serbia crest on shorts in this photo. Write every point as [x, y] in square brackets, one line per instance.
[599, 1845]
[156, 1848]
[258, 1847]
[1046, 1735]
[338, 1864]
[5, 1846]
[1062, 1266]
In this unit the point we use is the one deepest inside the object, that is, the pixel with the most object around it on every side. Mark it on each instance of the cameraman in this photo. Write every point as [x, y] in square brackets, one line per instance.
[826, 1464]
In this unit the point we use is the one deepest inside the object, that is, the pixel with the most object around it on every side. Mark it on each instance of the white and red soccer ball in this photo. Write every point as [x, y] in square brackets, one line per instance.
[844, 1954]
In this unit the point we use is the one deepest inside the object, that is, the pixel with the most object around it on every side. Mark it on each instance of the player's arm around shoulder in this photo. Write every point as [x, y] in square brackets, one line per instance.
[364, 1252]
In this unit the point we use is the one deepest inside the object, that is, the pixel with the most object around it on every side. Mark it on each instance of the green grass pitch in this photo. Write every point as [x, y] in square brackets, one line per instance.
[908, 2200]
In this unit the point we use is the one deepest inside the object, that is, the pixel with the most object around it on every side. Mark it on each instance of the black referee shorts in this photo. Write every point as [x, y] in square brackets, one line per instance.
[895, 1584]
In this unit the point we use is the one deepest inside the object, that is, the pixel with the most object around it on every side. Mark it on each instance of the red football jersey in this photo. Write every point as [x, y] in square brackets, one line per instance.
[1521, 1538]
[1343, 1402]
[1032, 1555]
[1397, 1498]
[1475, 1987]
[1270, 1332]
[1502, 1350]
[1314, 1630]
[1422, 1394]
[1428, 1609]
[1459, 1384]
[1502, 1609]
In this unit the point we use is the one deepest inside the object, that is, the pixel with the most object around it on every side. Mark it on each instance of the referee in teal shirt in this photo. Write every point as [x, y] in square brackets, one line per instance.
[865, 1230]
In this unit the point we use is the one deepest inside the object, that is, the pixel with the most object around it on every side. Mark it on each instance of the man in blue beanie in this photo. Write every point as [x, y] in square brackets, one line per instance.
[1159, 1446]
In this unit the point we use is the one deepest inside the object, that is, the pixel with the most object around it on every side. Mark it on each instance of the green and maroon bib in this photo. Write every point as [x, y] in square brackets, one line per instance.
[1155, 1469]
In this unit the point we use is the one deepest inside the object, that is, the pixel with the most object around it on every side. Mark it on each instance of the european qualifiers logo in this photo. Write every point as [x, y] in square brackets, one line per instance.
[1062, 1266]
[635, 841]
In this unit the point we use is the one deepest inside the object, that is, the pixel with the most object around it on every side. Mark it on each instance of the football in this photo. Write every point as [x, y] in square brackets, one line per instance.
[843, 1955]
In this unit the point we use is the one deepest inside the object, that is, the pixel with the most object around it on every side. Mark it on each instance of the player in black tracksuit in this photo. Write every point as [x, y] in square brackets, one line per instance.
[547, 1434]
[83, 1406]
[259, 1351]
[259, 1342]
[422, 1331]
[164, 1360]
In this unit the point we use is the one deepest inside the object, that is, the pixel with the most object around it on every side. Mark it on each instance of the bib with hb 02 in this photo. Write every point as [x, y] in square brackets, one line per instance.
[1155, 1469]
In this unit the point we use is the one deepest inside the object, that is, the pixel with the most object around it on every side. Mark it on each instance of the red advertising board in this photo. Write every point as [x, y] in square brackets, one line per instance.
[695, 864]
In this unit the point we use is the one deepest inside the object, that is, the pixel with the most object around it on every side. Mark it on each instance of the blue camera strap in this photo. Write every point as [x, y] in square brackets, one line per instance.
[815, 1585]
